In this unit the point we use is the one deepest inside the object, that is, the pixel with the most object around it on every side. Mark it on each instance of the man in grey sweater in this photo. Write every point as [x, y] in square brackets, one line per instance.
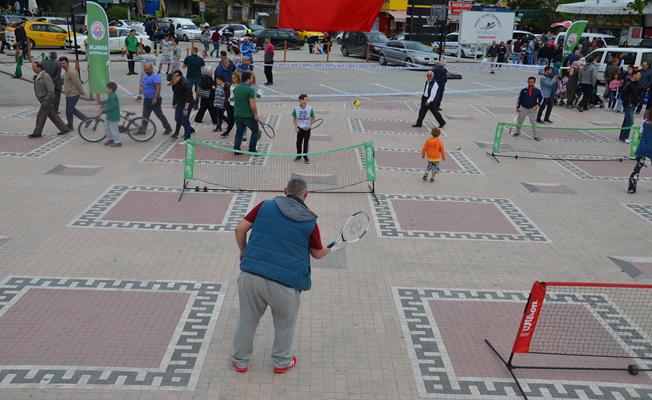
[588, 77]
[44, 91]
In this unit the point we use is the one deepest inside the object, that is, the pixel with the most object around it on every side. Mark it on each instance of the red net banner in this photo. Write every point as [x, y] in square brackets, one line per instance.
[329, 16]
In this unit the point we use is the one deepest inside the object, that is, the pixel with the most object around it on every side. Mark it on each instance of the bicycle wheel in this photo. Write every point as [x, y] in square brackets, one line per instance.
[92, 129]
[141, 129]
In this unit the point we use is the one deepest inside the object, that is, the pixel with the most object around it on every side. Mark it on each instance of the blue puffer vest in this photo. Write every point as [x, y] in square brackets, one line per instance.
[278, 247]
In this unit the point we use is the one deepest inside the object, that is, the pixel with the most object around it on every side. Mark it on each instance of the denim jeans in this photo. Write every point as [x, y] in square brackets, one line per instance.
[71, 110]
[619, 104]
[628, 121]
[183, 120]
[515, 57]
[216, 49]
[148, 108]
[241, 125]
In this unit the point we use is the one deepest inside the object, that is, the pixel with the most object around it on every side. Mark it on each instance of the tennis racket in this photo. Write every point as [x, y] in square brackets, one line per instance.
[353, 229]
[318, 122]
[267, 128]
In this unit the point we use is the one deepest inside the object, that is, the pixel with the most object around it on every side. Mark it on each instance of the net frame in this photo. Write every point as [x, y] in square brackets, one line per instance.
[364, 153]
[561, 149]
[543, 294]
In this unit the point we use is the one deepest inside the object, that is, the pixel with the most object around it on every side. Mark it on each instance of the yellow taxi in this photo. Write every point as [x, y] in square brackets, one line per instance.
[40, 34]
[304, 35]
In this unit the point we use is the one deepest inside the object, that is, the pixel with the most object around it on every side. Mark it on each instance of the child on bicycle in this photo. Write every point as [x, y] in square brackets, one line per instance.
[302, 117]
[112, 110]
[433, 148]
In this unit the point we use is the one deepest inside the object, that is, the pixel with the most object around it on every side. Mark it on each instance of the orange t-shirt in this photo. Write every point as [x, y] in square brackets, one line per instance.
[433, 148]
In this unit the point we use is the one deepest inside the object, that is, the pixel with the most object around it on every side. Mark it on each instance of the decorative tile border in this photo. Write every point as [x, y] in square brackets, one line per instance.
[387, 224]
[92, 217]
[642, 210]
[433, 369]
[468, 167]
[271, 119]
[28, 113]
[581, 174]
[355, 124]
[157, 155]
[181, 366]
[509, 111]
[40, 151]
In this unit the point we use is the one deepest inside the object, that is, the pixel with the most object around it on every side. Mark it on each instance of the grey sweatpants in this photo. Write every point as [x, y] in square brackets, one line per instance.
[255, 294]
[531, 114]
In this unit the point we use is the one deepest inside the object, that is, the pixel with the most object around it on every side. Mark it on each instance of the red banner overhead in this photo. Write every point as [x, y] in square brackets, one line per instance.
[329, 16]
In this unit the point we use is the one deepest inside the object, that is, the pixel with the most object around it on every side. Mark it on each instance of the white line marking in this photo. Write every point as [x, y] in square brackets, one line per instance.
[339, 91]
[485, 85]
[127, 91]
[277, 92]
[387, 87]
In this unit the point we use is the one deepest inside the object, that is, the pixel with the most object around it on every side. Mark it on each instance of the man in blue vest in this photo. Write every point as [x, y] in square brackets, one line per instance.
[275, 269]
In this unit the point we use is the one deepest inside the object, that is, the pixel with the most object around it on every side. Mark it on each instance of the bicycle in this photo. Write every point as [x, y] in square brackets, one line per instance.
[139, 129]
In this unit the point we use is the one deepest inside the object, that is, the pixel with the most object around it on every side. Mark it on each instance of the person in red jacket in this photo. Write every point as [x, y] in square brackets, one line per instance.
[215, 38]
[433, 148]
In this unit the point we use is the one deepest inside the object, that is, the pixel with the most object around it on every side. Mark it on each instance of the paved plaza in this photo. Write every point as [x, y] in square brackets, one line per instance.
[110, 288]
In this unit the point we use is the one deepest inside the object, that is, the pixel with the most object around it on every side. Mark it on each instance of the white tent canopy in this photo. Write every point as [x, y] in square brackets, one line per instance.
[600, 7]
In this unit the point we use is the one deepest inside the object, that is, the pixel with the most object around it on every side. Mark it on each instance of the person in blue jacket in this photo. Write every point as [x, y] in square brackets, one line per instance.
[275, 269]
[643, 151]
[548, 85]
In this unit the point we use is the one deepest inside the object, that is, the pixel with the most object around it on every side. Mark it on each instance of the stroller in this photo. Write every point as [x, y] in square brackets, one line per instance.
[594, 101]
[561, 92]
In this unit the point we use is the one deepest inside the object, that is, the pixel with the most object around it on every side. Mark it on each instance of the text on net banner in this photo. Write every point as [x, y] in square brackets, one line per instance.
[329, 16]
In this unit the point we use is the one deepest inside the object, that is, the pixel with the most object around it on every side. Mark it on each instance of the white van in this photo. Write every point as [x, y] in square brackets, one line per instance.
[607, 40]
[630, 56]
[185, 29]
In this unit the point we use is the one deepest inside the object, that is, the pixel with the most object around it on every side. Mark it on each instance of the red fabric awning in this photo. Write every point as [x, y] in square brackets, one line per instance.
[329, 16]
[399, 16]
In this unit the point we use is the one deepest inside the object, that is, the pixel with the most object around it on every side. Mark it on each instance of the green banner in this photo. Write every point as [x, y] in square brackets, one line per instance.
[635, 140]
[370, 161]
[189, 166]
[98, 47]
[573, 35]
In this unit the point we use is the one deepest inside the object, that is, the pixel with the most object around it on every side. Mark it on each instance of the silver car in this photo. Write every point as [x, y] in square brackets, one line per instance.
[407, 52]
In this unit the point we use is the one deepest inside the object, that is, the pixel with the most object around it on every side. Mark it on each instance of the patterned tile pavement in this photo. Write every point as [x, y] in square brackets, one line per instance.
[74, 332]
[172, 151]
[451, 217]
[408, 160]
[75, 170]
[500, 110]
[642, 210]
[158, 208]
[555, 188]
[639, 268]
[389, 127]
[17, 144]
[603, 170]
[28, 113]
[451, 360]
[404, 106]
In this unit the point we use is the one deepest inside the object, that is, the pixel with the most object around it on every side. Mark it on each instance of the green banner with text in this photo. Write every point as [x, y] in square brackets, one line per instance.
[98, 47]
[573, 36]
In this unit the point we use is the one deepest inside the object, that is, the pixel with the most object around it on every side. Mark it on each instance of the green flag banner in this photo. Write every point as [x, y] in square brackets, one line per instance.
[573, 35]
[98, 47]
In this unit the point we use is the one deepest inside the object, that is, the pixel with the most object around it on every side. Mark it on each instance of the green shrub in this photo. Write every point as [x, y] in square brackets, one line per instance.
[117, 12]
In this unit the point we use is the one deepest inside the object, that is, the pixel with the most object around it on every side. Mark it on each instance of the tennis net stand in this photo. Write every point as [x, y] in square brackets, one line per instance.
[581, 326]
[563, 143]
[208, 166]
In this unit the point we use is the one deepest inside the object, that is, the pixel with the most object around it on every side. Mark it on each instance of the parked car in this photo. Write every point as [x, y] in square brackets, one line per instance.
[116, 40]
[453, 47]
[185, 29]
[645, 42]
[304, 35]
[630, 56]
[356, 43]
[407, 52]
[58, 21]
[40, 34]
[239, 30]
[525, 35]
[338, 37]
[606, 40]
[6, 20]
[278, 38]
[400, 36]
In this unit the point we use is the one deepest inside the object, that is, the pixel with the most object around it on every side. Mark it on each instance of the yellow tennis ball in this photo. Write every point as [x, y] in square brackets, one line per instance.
[458, 148]
[356, 103]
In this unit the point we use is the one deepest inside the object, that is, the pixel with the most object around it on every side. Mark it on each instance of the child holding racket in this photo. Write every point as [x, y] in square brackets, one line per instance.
[433, 148]
[302, 117]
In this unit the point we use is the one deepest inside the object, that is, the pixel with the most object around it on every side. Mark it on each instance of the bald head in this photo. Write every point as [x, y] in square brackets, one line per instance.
[148, 68]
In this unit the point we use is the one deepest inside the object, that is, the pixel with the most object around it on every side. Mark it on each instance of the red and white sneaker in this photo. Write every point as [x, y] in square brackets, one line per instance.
[239, 369]
[285, 369]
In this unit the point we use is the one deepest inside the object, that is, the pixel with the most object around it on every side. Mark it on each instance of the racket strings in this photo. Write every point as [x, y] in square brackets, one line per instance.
[355, 228]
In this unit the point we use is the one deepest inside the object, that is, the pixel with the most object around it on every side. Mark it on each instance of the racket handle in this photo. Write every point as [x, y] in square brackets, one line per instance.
[330, 245]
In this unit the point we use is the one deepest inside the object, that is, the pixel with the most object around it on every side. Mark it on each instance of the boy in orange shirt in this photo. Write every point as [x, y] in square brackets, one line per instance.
[433, 148]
